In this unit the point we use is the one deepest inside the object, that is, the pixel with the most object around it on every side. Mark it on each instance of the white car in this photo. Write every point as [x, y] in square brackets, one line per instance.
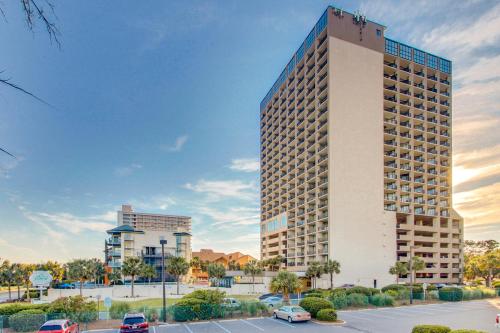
[292, 313]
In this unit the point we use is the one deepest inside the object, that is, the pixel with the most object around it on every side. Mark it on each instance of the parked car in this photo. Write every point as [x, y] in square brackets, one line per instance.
[273, 301]
[291, 313]
[59, 326]
[231, 303]
[134, 323]
[65, 286]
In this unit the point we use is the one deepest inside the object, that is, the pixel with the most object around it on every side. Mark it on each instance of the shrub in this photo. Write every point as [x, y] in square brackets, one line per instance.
[327, 315]
[392, 293]
[430, 329]
[314, 304]
[76, 308]
[339, 299]
[451, 294]
[357, 300]
[433, 294]
[314, 294]
[361, 290]
[395, 287]
[210, 296]
[118, 310]
[487, 292]
[187, 308]
[382, 300]
[10, 309]
[496, 284]
[27, 320]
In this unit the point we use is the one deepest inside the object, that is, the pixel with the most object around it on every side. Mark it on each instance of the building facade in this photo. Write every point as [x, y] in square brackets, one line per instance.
[356, 156]
[139, 235]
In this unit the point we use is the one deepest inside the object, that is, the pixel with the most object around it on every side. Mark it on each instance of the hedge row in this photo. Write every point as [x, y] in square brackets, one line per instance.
[440, 329]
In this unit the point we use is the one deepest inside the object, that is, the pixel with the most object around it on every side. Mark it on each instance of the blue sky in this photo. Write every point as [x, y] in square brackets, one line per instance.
[156, 105]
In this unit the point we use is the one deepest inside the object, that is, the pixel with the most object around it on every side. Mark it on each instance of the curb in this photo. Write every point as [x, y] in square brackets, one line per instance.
[339, 322]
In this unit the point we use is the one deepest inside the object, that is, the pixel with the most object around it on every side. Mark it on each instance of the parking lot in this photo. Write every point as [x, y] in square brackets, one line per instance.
[474, 315]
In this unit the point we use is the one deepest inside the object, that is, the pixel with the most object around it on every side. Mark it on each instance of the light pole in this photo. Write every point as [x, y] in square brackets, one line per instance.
[164, 314]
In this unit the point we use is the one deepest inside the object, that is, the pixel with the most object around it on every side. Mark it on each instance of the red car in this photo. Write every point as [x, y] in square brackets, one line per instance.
[134, 323]
[59, 326]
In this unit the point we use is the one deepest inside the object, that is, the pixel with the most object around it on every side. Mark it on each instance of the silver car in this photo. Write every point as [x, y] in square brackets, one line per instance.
[291, 313]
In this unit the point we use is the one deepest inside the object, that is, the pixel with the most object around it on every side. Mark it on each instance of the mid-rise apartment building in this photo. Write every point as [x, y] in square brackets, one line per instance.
[356, 156]
[139, 235]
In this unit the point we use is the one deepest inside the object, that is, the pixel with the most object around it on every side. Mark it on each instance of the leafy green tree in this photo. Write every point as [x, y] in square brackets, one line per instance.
[216, 272]
[253, 268]
[285, 283]
[399, 268]
[417, 264]
[54, 268]
[274, 263]
[177, 266]
[331, 267]
[314, 272]
[195, 263]
[115, 276]
[132, 266]
[148, 272]
[17, 278]
[80, 270]
[25, 273]
[97, 269]
[7, 276]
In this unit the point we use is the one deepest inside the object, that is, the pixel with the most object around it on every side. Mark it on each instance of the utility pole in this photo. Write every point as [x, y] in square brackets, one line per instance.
[164, 313]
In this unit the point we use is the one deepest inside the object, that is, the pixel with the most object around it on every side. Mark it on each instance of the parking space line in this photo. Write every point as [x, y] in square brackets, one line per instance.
[222, 327]
[253, 325]
[280, 322]
[413, 311]
[378, 315]
[187, 328]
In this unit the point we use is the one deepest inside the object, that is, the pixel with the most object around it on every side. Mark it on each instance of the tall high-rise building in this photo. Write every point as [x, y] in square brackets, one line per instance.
[356, 156]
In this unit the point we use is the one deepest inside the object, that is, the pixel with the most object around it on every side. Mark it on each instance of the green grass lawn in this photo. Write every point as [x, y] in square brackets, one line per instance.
[157, 302]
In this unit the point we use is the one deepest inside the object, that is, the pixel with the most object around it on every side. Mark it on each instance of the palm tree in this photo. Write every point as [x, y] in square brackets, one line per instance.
[253, 268]
[97, 269]
[17, 278]
[195, 263]
[81, 270]
[25, 273]
[177, 266]
[314, 272]
[285, 283]
[115, 276]
[148, 272]
[331, 267]
[7, 275]
[216, 271]
[274, 262]
[132, 266]
[399, 268]
[55, 269]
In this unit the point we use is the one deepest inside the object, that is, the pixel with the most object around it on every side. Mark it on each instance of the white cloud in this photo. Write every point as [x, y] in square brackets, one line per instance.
[58, 224]
[245, 164]
[127, 170]
[177, 146]
[234, 216]
[479, 206]
[217, 189]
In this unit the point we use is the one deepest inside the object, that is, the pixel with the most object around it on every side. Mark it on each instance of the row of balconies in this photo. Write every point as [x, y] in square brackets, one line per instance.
[418, 90]
[418, 70]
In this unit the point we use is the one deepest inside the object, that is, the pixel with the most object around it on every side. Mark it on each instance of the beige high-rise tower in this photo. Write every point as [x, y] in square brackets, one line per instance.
[356, 157]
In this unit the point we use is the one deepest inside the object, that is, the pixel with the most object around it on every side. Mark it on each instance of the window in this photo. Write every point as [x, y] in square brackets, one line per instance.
[300, 53]
[321, 23]
[445, 66]
[432, 61]
[391, 47]
[310, 39]
[419, 57]
[405, 51]
[379, 32]
[291, 65]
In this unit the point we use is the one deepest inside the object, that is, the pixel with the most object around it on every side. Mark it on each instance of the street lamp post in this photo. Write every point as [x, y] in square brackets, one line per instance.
[164, 314]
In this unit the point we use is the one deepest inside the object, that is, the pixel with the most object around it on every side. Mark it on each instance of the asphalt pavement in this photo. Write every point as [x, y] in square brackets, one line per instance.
[478, 315]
